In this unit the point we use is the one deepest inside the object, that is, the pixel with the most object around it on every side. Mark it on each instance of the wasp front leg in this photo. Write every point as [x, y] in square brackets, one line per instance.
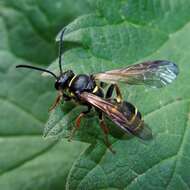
[78, 121]
[106, 132]
[110, 90]
[61, 96]
[57, 102]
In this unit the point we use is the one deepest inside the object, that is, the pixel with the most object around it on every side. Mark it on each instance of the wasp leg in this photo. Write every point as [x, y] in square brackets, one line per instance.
[78, 121]
[110, 90]
[103, 84]
[118, 94]
[106, 132]
[66, 97]
[57, 101]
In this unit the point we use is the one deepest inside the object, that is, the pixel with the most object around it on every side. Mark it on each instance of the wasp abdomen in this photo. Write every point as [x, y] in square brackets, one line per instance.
[136, 124]
[133, 116]
[130, 111]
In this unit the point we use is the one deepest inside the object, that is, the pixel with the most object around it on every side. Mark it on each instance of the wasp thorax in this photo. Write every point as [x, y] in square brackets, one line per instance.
[63, 81]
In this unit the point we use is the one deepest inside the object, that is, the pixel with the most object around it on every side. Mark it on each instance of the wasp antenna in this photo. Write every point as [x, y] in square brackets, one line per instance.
[61, 50]
[36, 68]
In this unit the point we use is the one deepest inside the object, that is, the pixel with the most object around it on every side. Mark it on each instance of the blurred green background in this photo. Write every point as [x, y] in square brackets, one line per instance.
[27, 36]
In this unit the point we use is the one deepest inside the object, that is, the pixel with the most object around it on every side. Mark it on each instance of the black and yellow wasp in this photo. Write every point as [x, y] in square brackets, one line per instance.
[87, 90]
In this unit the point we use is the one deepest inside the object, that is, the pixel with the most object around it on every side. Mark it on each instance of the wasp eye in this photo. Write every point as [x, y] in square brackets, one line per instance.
[57, 84]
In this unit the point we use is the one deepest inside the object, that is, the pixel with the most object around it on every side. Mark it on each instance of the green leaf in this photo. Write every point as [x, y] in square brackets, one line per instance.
[36, 23]
[120, 33]
[27, 32]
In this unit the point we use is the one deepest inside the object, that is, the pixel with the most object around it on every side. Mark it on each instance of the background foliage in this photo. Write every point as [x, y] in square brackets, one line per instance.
[27, 32]
[110, 34]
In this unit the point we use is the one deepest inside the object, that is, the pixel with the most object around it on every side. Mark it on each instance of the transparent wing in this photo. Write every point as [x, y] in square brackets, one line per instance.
[153, 73]
[112, 112]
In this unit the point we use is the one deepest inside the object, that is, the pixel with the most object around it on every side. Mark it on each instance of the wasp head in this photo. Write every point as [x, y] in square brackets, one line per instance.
[63, 81]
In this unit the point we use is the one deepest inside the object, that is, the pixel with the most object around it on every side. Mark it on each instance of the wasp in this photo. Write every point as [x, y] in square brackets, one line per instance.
[88, 90]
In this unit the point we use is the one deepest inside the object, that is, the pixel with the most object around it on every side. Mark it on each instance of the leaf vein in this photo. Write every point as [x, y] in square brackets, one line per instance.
[169, 103]
[40, 153]
[22, 109]
[179, 150]
[154, 165]
[184, 182]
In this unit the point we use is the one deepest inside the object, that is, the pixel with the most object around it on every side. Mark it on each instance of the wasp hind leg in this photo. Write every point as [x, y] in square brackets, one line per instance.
[106, 132]
[78, 121]
[110, 90]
